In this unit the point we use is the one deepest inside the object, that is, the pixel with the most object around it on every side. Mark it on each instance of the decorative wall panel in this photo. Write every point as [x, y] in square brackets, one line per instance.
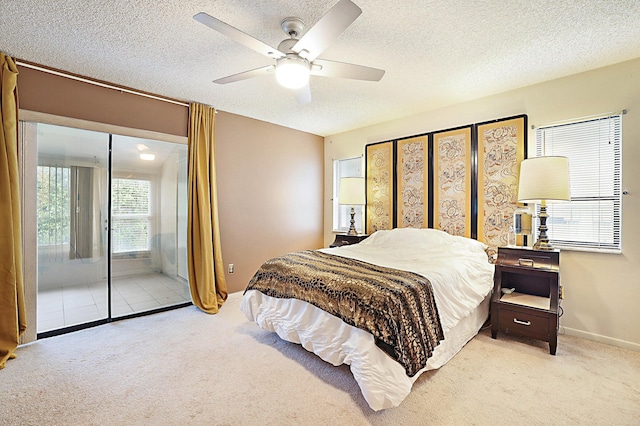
[380, 186]
[413, 188]
[501, 147]
[452, 176]
[463, 181]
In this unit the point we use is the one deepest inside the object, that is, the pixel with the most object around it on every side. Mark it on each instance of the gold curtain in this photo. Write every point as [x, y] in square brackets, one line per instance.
[12, 311]
[206, 271]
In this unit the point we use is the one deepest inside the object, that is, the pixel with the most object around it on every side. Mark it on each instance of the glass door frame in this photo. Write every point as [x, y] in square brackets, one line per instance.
[28, 158]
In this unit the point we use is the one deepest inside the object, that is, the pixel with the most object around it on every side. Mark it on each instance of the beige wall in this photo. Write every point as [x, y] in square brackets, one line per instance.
[270, 192]
[602, 291]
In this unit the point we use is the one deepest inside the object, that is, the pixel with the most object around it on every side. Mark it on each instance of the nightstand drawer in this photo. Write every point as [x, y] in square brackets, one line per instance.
[535, 259]
[524, 323]
[345, 240]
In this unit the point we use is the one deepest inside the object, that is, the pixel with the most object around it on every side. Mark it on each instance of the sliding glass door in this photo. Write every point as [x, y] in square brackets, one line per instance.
[111, 226]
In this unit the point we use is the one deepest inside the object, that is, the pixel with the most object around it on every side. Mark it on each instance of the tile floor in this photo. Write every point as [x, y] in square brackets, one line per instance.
[77, 304]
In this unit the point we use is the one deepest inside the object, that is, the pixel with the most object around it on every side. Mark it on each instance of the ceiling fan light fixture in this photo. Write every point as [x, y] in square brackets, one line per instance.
[147, 157]
[292, 72]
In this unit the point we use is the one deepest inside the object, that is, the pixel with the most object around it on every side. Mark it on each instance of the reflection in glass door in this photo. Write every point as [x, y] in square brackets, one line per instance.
[72, 194]
[111, 231]
[145, 230]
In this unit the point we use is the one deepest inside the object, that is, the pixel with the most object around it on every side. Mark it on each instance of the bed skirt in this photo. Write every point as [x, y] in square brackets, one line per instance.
[383, 382]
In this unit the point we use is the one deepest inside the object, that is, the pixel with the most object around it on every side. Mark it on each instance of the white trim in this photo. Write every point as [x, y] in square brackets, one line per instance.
[587, 249]
[602, 339]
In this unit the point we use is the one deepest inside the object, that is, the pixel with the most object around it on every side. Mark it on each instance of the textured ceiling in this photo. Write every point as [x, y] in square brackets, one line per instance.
[435, 53]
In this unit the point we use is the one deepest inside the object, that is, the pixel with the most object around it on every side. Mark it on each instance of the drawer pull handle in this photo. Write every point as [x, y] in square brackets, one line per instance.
[517, 321]
[525, 262]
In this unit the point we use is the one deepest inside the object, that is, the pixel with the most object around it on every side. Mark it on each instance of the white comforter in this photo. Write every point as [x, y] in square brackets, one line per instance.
[461, 277]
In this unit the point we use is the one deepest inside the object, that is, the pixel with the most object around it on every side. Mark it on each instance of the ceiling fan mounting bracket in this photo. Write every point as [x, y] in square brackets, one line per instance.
[292, 26]
[286, 45]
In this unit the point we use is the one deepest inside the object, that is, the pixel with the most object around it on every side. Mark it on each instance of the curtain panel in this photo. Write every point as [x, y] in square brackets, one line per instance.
[12, 308]
[206, 270]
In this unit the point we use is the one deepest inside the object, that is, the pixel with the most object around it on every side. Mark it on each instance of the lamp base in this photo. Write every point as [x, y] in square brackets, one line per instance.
[543, 245]
[543, 241]
[352, 229]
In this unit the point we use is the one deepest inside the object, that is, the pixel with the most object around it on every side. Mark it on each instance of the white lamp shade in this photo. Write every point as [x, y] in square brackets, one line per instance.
[292, 72]
[352, 191]
[544, 179]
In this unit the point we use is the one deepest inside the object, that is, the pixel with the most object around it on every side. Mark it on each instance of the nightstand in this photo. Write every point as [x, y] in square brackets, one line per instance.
[345, 240]
[525, 294]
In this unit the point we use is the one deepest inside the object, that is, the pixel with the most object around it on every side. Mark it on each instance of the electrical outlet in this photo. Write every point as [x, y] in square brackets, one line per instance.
[561, 292]
[231, 267]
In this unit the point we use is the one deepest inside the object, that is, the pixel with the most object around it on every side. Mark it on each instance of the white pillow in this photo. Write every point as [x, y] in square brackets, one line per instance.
[405, 237]
[408, 236]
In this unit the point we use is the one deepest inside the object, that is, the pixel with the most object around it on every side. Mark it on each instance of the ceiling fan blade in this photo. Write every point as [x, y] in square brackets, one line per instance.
[324, 68]
[246, 75]
[237, 35]
[327, 29]
[303, 95]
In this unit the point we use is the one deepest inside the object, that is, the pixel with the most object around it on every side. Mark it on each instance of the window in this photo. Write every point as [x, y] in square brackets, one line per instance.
[592, 220]
[350, 167]
[53, 206]
[131, 215]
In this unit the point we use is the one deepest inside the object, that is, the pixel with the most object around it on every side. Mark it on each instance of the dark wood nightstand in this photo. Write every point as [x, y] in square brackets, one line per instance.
[525, 294]
[345, 240]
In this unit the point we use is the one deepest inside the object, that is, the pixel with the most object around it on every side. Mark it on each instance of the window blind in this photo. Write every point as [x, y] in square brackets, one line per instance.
[592, 220]
[130, 208]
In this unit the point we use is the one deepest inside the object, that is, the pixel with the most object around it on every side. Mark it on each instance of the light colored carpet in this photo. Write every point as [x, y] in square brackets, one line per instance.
[185, 367]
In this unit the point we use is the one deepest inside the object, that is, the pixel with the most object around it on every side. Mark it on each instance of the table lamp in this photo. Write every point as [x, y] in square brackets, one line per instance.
[544, 180]
[352, 193]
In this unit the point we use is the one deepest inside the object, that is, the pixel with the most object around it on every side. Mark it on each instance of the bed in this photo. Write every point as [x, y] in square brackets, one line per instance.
[460, 277]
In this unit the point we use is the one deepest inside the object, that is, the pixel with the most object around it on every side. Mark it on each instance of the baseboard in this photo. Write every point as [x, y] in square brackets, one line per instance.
[601, 339]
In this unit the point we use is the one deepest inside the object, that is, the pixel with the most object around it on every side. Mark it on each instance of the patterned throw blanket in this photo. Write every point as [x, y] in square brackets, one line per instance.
[396, 307]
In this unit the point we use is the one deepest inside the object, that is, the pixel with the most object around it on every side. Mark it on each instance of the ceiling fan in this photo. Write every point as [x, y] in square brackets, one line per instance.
[297, 57]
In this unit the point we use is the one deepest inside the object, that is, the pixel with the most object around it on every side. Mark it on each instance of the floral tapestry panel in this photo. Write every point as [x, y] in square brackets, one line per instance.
[379, 186]
[452, 181]
[501, 149]
[412, 182]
